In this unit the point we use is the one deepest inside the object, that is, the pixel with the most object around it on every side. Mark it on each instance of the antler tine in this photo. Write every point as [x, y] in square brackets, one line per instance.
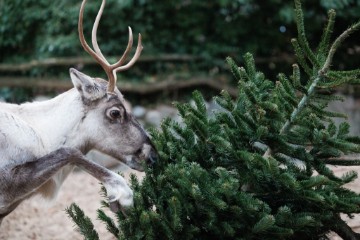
[83, 41]
[110, 70]
[127, 50]
[136, 56]
[117, 66]
[94, 32]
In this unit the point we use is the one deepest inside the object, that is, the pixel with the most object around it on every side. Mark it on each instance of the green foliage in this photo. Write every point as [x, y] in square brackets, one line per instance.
[258, 168]
[14, 94]
[87, 228]
[38, 29]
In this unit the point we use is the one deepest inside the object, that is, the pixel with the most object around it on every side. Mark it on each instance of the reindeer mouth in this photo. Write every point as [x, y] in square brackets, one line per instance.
[144, 156]
[134, 163]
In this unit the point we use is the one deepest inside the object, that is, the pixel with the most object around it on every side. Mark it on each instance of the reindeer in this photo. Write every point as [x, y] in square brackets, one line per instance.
[41, 142]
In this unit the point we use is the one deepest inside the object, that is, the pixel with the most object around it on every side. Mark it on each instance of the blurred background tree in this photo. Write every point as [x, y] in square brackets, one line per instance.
[203, 33]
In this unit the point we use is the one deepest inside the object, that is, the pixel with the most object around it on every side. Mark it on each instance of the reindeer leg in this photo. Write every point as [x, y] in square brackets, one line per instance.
[20, 180]
[117, 190]
[24, 179]
[28, 177]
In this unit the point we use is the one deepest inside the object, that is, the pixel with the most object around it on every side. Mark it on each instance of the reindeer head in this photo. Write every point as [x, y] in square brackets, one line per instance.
[119, 134]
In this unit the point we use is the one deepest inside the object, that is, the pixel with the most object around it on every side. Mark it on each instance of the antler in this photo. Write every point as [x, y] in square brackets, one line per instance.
[110, 69]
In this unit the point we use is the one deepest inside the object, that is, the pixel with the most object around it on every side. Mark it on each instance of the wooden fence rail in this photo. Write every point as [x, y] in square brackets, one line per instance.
[140, 89]
[72, 61]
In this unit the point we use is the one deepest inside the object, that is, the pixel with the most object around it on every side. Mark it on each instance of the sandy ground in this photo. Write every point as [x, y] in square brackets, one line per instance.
[37, 220]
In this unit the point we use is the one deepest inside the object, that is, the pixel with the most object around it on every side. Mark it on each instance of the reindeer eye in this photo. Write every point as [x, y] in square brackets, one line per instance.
[114, 113]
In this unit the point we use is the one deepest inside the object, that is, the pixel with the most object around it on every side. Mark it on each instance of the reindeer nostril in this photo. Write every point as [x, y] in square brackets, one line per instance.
[152, 159]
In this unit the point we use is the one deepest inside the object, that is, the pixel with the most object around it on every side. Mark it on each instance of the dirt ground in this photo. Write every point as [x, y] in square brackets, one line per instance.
[37, 220]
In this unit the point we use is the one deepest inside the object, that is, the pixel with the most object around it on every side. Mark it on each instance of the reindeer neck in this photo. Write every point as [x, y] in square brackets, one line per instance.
[56, 120]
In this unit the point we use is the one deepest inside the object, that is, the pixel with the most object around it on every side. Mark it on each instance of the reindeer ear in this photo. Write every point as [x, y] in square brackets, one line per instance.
[87, 86]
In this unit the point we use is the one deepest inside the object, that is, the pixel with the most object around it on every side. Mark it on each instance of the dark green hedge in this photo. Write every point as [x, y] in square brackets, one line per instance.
[36, 29]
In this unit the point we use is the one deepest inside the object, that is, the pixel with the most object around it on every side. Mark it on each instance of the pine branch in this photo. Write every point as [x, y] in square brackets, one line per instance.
[343, 162]
[296, 79]
[344, 231]
[325, 39]
[84, 224]
[336, 45]
[301, 33]
[355, 72]
[110, 225]
[301, 57]
[320, 75]
[297, 110]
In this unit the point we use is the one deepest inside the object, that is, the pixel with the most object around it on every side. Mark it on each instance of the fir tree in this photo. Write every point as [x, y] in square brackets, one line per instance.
[258, 167]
